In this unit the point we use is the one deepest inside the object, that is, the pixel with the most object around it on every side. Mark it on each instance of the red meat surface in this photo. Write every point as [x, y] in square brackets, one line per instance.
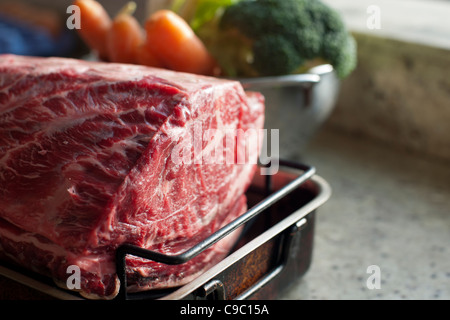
[94, 155]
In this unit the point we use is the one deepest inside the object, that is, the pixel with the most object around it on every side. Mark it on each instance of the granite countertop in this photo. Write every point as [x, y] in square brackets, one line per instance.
[390, 209]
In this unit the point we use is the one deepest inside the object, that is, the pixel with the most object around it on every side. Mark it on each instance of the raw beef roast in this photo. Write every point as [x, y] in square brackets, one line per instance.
[94, 155]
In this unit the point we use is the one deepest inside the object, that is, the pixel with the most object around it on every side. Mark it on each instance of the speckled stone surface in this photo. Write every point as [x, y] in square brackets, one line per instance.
[389, 208]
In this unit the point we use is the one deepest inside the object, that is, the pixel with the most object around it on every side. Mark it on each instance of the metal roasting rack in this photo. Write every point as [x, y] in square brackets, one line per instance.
[216, 287]
[274, 249]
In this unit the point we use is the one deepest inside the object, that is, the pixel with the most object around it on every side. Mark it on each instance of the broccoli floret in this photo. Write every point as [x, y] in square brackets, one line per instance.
[275, 37]
[275, 55]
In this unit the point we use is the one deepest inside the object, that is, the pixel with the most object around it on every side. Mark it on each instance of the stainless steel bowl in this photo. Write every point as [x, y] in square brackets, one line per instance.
[296, 105]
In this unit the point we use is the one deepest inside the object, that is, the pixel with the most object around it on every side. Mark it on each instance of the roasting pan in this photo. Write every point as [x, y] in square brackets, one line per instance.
[274, 250]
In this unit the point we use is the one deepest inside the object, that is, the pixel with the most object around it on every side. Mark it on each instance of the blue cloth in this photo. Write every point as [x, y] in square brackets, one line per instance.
[19, 38]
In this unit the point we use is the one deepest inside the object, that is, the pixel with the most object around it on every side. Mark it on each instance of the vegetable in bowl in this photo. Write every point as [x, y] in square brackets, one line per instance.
[257, 38]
